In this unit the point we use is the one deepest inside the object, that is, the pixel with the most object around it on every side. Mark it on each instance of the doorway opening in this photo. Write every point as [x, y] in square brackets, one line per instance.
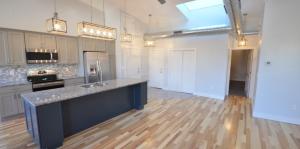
[240, 72]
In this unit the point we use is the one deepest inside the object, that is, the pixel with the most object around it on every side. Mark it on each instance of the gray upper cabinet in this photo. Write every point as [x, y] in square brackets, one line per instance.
[3, 48]
[16, 46]
[37, 41]
[68, 50]
[48, 42]
[73, 51]
[12, 48]
[100, 45]
[88, 44]
[33, 41]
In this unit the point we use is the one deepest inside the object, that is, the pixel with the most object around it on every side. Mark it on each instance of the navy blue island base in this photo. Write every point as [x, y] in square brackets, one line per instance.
[49, 124]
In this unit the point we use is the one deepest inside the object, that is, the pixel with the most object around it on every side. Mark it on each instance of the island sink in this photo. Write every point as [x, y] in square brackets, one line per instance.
[55, 114]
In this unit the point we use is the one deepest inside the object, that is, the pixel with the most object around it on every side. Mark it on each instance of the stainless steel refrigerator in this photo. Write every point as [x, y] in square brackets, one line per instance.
[94, 63]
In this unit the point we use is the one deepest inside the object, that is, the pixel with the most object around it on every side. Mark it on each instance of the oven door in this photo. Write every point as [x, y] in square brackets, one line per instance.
[48, 85]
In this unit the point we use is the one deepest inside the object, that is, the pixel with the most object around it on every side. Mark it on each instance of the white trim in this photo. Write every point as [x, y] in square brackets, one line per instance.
[277, 118]
[210, 96]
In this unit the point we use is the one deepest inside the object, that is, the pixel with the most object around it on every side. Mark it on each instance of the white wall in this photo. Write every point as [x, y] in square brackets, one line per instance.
[212, 57]
[278, 84]
[32, 15]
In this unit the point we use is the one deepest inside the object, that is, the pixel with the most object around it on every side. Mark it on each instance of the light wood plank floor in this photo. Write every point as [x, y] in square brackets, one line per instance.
[176, 121]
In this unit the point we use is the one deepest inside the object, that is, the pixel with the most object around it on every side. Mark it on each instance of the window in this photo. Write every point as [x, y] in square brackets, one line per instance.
[204, 14]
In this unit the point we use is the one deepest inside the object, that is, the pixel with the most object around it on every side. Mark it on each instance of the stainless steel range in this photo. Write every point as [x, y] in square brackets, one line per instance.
[44, 81]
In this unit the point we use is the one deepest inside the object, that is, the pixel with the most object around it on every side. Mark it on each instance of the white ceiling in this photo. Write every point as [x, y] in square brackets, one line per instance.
[167, 17]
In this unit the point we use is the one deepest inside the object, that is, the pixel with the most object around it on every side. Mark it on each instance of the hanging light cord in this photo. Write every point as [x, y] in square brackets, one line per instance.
[103, 7]
[91, 11]
[55, 12]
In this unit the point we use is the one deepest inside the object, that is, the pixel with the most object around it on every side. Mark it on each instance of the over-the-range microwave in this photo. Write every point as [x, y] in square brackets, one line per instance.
[41, 56]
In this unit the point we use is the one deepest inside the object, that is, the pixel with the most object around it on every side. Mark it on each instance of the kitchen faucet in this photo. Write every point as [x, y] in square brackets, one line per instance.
[99, 72]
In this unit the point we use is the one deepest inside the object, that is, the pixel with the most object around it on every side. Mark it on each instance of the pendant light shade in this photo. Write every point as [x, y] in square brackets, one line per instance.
[242, 41]
[125, 36]
[149, 43]
[91, 30]
[56, 25]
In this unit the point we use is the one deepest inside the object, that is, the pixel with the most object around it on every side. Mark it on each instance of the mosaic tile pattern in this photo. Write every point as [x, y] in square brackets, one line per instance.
[11, 74]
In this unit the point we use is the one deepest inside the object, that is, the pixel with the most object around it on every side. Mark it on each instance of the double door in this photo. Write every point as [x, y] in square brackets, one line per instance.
[181, 66]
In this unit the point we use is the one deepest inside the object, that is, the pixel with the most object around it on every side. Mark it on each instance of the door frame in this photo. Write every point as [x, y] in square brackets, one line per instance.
[252, 76]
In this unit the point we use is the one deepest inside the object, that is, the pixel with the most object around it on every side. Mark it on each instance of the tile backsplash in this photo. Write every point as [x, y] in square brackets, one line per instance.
[19, 73]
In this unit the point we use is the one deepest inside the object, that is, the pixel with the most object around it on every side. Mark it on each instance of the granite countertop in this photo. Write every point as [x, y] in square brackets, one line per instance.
[14, 83]
[69, 77]
[61, 94]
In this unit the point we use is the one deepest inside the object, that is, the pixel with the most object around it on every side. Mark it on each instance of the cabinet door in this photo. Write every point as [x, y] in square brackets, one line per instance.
[16, 46]
[33, 41]
[133, 64]
[9, 105]
[48, 42]
[19, 100]
[72, 51]
[3, 48]
[62, 48]
[88, 44]
[100, 45]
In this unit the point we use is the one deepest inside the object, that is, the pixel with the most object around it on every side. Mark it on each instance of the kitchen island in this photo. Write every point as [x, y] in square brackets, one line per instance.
[53, 115]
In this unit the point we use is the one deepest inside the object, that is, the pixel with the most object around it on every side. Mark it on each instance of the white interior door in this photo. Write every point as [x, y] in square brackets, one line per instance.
[174, 70]
[156, 68]
[132, 63]
[188, 71]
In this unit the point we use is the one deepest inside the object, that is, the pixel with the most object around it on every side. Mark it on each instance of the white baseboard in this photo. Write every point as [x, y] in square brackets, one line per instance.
[210, 96]
[277, 118]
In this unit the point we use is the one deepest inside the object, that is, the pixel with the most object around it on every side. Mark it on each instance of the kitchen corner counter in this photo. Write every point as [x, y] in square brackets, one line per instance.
[66, 93]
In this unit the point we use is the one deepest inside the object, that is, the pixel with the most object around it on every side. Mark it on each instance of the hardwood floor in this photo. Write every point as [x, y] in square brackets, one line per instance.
[176, 121]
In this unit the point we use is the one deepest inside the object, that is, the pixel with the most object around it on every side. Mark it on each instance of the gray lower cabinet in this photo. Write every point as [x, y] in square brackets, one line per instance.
[9, 105]
[11, 102]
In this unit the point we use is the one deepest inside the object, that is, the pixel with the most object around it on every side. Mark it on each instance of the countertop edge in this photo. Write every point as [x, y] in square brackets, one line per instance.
[37, 105]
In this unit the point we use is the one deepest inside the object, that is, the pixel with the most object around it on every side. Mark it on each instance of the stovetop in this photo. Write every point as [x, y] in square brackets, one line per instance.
[43, 78]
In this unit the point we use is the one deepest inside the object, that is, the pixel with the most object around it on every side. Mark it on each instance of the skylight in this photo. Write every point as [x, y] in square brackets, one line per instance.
[204, 14]
[200, 4]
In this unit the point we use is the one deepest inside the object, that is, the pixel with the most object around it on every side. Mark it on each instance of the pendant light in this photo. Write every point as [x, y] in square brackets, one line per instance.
[242, 41]
[92, 30]
[55, 25]
[125, 37]
[149, 42]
